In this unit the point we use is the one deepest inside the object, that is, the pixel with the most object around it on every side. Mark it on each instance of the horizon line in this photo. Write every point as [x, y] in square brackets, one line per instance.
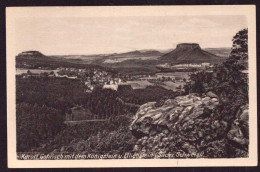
[160, 50]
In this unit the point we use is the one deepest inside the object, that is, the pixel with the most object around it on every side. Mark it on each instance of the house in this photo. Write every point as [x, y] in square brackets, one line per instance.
[111, 86]
[78, 113]
[62, 76]
[205, 64]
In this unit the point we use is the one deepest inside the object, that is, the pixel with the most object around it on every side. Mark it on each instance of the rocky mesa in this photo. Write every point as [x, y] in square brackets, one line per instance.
[189, 53]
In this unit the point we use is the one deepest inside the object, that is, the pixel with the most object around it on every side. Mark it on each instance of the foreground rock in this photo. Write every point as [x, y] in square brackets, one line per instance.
[187, 124]
[239, 134]
[175, 114]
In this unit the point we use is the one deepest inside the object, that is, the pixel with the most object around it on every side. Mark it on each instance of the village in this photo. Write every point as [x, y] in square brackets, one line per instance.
[186, 66]
[92, 78]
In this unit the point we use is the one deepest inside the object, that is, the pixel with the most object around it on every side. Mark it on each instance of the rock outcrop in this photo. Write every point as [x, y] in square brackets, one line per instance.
[186, 124]
[174, 113]
[239, 134]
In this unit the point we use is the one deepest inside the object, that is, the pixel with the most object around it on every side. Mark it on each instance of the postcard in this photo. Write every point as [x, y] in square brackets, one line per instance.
[131, 86]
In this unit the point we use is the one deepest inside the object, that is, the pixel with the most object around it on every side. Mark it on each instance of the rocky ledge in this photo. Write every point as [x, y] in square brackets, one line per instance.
[189, 124]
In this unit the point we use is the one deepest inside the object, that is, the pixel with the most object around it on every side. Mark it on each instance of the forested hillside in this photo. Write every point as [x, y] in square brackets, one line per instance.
[42, 104]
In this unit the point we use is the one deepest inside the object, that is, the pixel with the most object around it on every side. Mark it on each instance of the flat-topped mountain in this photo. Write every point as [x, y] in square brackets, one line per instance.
[31, 54]
[189, 53]
[188, 46]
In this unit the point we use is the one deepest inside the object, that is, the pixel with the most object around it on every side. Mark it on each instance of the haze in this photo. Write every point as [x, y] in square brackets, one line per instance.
[83, 36]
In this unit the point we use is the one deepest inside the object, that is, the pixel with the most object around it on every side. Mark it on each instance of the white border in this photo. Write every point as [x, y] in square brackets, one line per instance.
[12, 13]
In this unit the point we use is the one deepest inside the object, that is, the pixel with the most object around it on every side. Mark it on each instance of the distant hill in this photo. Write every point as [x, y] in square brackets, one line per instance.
[142, 53]
[115, 57]
[221, 52]
[189, 53]
[35, 59]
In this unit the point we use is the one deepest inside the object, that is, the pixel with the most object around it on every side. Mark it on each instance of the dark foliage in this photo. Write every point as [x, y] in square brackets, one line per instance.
[100, 137]
[36, 124]
[149, 94]
[59, 93]
[104, 103]
[43, 102]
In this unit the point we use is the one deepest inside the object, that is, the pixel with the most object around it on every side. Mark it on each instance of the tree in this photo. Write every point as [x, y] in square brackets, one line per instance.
[36, 125]
[229, 72]
[240, 45]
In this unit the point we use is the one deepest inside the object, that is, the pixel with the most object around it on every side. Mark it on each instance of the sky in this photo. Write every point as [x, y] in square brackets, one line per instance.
[99, 35]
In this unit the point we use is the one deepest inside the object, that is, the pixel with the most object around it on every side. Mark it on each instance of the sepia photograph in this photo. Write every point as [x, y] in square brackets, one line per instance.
[131, 86]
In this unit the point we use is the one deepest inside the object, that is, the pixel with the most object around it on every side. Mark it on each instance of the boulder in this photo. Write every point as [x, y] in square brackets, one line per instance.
[239, 132]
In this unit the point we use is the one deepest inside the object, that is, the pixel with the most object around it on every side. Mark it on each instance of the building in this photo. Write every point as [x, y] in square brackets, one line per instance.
[111, 86]
[78, 113]
[205, 64]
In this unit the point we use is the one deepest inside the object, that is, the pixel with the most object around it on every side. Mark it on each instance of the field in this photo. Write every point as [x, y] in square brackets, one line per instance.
[173, 74]
[221, 52]
[169, 85]
[160, 79]
[38, 71]
[138, 84]
[119, 60]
